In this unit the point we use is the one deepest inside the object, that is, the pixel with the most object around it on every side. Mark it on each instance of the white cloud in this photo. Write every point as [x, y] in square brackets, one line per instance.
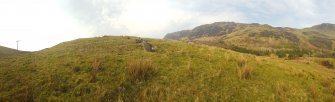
[146, 18]
[37, 23]
[43, 23]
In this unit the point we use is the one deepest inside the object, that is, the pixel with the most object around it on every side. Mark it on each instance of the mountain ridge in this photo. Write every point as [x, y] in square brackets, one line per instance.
[253, 37]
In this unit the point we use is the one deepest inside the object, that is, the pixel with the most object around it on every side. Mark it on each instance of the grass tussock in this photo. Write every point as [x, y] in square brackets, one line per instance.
[325, 82]
[96, 67]
[152, 94]
[25, 94]
[244, 71]
[140, 70]
[188, 69]
[242, 62]
[314, 92]
[282, 92]
[332, 89]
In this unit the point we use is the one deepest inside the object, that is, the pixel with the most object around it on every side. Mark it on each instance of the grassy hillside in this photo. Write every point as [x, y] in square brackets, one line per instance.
[119, 69]
[325, 28]
[4, 51]
[263, 39]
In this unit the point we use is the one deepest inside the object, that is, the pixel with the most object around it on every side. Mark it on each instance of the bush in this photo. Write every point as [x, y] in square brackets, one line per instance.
[327, 64]
[138, 40]
[140, 70]
[292, 54]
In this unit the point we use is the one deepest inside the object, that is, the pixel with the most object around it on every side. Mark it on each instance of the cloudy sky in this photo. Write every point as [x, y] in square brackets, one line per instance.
[40, 24]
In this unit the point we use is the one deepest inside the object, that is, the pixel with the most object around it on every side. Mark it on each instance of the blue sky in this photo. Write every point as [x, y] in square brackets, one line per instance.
[41, 24]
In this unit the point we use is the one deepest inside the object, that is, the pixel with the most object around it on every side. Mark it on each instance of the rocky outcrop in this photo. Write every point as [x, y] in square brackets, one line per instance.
[148, 47]
[255, 38]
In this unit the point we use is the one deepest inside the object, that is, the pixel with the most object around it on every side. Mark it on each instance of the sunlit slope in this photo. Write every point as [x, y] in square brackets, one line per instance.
[106, 69]
[263, 39]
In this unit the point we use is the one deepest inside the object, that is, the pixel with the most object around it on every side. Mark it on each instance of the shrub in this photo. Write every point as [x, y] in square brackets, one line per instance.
[292, 54]
[272, 55]
[138, 40]
[139, 70]
[327, 64]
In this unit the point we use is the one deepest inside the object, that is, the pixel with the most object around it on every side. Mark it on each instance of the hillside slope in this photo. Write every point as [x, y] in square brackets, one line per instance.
[263, 39]
[325, 28]
[4, 51]
[119, 69]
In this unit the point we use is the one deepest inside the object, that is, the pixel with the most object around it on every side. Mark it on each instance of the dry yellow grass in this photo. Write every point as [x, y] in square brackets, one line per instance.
[140, 70]
[123, 71]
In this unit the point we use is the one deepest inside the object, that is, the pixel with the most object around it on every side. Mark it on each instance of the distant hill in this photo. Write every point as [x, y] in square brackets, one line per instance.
[215, 29]
[325, 28]
[4, 51]
[111, 69]
[263, 39]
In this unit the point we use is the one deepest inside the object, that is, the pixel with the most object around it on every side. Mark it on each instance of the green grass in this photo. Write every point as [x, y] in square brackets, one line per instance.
[98, 69]
[140, 70]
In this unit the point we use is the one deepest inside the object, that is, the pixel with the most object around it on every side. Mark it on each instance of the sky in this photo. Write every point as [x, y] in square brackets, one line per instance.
[40, 24]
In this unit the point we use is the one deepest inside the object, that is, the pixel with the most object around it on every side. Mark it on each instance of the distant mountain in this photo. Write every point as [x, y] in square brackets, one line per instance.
[263, 39]
[325, 28]
[215, 29]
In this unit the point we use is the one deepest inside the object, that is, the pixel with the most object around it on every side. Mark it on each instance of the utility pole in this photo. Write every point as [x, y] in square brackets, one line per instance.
[17, 45]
